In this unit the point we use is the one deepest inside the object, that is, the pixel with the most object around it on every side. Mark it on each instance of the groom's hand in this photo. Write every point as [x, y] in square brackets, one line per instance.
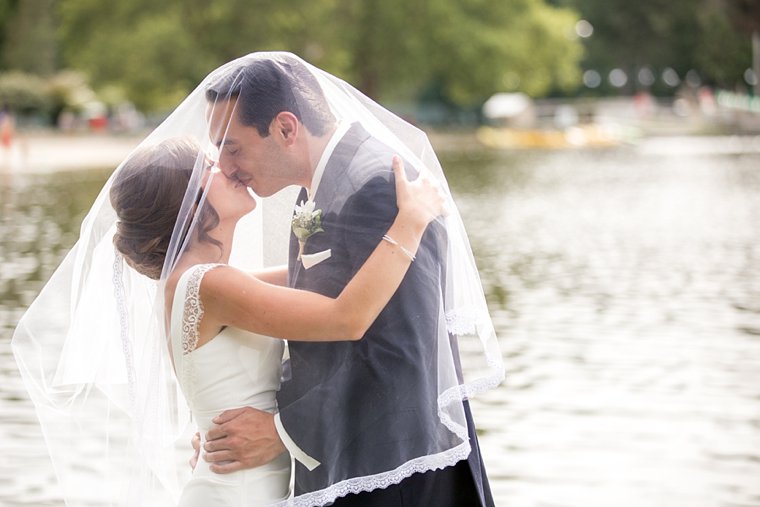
[242, 438]
[196, 443]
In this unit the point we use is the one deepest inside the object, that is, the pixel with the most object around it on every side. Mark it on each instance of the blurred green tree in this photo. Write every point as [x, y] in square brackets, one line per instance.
[465, 49]
[24, 93]
[479, 47]
[29, 42]
[723, 52]
[155, 51]
[682, 35]
[745, 14]
[140, 49]
[7, 9]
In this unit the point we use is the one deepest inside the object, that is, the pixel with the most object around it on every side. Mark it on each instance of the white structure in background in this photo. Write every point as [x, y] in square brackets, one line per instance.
[510, 109]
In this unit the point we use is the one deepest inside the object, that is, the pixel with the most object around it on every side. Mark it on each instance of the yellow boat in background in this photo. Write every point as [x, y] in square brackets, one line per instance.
[580, 136]
[516, 121]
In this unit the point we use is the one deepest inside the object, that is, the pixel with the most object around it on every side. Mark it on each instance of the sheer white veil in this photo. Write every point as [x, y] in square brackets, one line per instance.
[93, 350]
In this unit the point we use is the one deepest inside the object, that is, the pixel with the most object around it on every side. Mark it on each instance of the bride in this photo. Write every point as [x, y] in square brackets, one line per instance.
[161, 316]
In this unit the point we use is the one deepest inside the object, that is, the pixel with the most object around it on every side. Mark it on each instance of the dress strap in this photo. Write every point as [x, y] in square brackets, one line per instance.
[187, 309]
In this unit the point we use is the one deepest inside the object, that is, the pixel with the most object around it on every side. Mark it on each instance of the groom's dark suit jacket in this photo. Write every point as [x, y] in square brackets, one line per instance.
[346, 401]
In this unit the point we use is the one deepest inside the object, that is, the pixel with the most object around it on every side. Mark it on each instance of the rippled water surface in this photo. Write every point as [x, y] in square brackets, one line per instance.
[624, 287]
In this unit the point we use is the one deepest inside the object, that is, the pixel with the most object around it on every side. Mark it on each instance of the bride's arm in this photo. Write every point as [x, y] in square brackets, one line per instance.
[232, 298]
[276, 275]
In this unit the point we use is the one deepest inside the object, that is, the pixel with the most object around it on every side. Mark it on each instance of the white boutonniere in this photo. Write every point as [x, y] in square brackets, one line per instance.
[306, 222]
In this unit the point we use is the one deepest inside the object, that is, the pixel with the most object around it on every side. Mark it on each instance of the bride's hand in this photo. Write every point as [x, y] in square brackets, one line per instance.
[421, 200]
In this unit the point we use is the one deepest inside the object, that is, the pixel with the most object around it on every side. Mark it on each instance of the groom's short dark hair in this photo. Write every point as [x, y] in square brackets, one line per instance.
[264, 88]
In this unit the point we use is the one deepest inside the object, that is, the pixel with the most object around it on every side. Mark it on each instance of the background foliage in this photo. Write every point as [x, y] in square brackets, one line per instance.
[455, 52]
[712, 37]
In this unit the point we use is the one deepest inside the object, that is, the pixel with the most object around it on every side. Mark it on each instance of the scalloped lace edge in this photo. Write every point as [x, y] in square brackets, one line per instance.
[121, 303]
[469, 320]
[192, 312]
[193, 308]
[382, 480]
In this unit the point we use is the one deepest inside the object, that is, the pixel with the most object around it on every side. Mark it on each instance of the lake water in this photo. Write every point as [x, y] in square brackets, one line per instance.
[623, 285]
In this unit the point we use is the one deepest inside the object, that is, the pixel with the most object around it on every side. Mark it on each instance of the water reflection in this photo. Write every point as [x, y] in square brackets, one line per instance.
[623, 286]
[39, 221]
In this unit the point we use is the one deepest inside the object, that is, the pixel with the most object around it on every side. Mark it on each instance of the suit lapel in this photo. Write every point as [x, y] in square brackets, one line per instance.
[294, 265]
[335, 171]
[338, 164]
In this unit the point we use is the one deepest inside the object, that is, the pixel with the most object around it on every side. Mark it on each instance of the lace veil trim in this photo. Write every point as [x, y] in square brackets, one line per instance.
[380, 481]
[121, 303]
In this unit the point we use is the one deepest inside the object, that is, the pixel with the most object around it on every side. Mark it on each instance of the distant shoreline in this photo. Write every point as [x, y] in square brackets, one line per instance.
[44, 152]
[51, 151]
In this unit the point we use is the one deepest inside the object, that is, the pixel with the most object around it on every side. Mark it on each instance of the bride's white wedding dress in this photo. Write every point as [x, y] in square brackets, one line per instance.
[235, 369]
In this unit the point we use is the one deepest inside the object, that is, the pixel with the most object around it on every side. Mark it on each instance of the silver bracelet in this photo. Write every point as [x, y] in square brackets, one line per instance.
[404, 250]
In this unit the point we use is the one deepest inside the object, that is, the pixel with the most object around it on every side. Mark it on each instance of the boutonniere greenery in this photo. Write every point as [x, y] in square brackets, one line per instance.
[306, 222]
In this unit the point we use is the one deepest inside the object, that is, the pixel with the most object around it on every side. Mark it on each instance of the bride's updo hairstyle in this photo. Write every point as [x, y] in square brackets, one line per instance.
[147, 195]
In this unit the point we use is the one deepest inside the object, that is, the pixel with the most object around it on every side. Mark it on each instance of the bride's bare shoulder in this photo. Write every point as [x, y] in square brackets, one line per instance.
[224, 278]
[209, 274]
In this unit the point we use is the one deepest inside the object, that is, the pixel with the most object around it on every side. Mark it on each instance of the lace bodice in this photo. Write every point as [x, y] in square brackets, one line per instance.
[193, 308]
[235, 368]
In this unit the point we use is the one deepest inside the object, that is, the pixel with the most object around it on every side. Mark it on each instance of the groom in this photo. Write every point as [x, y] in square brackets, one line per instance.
[349, 412]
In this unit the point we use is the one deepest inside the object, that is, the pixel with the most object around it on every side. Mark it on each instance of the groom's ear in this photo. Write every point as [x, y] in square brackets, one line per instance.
[285, 126]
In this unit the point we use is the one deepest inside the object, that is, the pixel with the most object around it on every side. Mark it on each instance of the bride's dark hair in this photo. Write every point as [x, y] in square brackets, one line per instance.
[147, 195]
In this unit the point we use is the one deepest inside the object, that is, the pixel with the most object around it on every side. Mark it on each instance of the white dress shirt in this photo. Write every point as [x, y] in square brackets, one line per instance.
[295, 451]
